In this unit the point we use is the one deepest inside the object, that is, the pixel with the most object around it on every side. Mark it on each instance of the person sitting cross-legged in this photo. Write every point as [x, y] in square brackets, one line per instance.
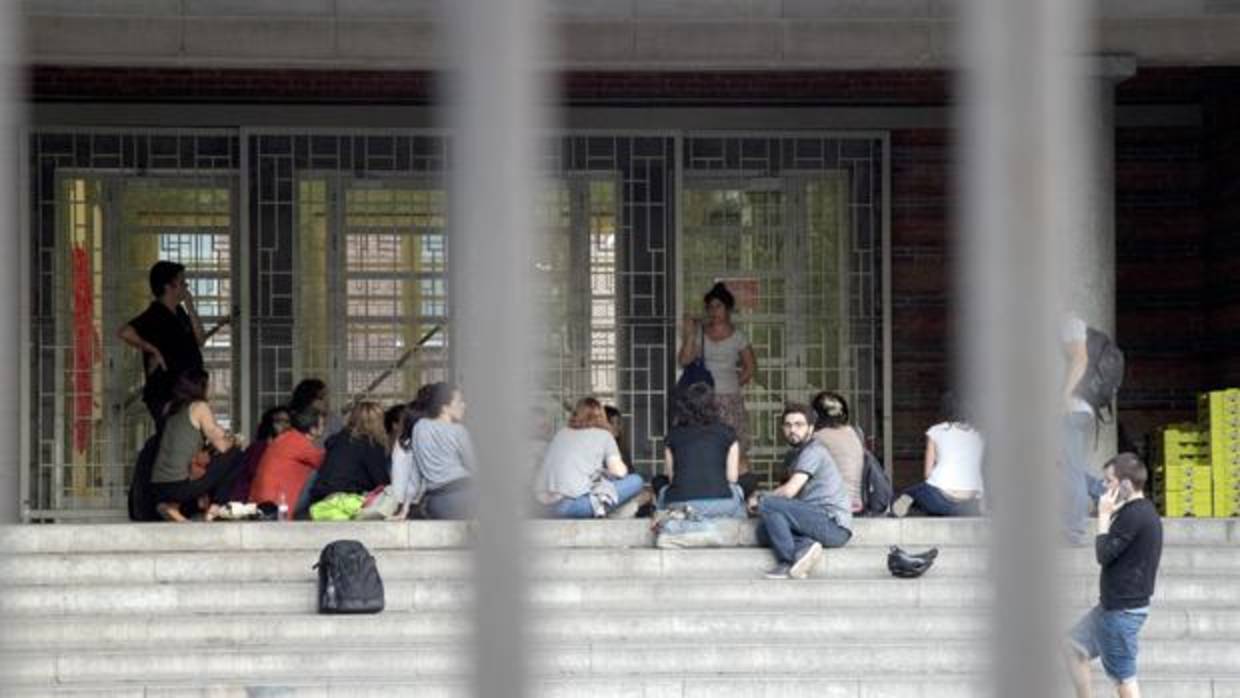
[811, 509]
[701, 457]
[583, 475]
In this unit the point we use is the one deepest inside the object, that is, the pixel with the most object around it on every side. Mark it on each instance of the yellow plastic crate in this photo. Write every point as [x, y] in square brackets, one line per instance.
[1186, 478]
[1218, 403]
[1180, 451]
[1226, 504]
[1188, 503]
[1183, 432]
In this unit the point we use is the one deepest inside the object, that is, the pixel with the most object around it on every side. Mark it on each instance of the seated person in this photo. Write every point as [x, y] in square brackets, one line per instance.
[834, 429]
[810, 510]
[953, 464]
[357, 456]
[433, 460]
[273, 423]
[188, 424]
[582, 473]
[701, 457]
[289, 461]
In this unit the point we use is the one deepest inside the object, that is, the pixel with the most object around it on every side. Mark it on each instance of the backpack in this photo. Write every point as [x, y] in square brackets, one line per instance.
[1104, 374]
[876, 490]
[348, 579]
[141, 498]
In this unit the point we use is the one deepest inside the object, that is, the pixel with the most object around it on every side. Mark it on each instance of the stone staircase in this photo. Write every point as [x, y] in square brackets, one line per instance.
[228, 609]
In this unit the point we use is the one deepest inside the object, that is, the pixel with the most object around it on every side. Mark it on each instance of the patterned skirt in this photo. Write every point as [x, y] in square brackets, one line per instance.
[732, 413]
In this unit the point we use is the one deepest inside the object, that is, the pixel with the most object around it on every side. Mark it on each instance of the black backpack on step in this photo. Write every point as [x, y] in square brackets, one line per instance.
[876, 489]
[349, 581]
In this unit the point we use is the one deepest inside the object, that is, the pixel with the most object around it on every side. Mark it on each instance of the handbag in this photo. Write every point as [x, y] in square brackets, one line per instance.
[696, 371]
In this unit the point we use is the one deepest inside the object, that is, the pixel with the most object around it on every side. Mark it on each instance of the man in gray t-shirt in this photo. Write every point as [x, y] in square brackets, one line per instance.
[811, 510]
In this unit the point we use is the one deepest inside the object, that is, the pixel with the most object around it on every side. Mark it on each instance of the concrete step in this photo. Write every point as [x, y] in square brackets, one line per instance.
[451, 660]
[652, 626]
[547, 563]
[690, 686]
[610, 594]
[227, 536]
[686, 686]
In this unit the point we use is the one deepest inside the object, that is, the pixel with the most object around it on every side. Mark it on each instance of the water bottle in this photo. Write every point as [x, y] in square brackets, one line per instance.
[282, 508]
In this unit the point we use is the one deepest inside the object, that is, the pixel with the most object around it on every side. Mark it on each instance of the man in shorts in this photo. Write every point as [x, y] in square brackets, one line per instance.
[1128, 547]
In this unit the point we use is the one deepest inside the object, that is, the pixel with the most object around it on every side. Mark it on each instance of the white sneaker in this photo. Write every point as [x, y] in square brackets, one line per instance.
[901, 506]
[801, 568]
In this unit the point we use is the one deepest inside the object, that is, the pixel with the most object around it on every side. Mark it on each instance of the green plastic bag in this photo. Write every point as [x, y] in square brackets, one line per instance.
[337, 507]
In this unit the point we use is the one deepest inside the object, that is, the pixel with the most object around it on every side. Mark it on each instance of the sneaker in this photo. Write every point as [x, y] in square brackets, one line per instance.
[805, 561]
[901, 506]
[779, 571]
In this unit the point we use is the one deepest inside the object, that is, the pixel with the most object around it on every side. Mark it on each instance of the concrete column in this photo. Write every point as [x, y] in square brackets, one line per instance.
[1090, 246]
[12, 314]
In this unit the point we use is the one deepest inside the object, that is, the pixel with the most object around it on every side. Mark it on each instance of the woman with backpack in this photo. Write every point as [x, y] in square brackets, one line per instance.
[834, 429]
[701, 457]
[953, 468]
[189, 426]
[433, 460]
[583, 475]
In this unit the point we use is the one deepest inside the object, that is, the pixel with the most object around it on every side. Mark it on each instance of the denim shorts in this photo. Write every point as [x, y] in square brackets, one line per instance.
[1111, 635]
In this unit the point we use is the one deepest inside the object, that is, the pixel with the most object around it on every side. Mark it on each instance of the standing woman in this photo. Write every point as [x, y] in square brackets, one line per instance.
[729, 357]
[433, 460]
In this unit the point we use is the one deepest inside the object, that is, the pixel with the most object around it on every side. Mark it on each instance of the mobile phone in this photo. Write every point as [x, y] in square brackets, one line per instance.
[1125, 492]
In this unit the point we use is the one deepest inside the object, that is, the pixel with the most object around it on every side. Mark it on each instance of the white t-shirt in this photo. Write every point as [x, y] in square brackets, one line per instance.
[958, 452]
[1075, 330]
[723, 361]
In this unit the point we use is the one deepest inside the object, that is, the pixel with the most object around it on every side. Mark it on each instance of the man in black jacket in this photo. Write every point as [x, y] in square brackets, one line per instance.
[1128, 547]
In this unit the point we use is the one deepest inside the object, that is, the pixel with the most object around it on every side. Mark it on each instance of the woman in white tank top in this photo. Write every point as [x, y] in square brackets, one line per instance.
[953, 463]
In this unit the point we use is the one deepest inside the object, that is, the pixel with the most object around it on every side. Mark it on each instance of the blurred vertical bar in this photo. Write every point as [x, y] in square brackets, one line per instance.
[10, 281]
[1021, 123]
[495, 100]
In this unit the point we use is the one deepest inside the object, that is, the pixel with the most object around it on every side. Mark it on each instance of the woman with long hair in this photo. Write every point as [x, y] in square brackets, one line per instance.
[357, 457]
[701, 457]
[728, 356]
[188, 426]
[433, 460]
[583, 475]
[953, 468]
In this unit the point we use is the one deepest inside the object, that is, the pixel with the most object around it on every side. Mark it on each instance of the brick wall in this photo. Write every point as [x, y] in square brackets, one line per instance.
[1222, 287]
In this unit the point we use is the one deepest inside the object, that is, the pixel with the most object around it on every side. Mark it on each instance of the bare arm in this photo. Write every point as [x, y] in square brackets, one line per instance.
[734, 462]
[616, 467]
[931, 457]
[1078, 360]
[131, 337]
[792, 487]
[217, 436]
[749, 363]
[200, 335]
[669, 463]
[689, 349]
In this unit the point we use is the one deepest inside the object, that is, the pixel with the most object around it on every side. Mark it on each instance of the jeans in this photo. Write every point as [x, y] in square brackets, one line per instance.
[1111, 635]
[1077, 486]
[789, 526]
[934, 502]
[627, 488]
[454, 501]
[717, 507]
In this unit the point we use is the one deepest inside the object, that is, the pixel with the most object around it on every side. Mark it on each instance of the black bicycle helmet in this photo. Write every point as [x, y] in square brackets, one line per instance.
[908, 565]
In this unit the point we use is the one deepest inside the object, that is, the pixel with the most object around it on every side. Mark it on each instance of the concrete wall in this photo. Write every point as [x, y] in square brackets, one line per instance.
[610, 34]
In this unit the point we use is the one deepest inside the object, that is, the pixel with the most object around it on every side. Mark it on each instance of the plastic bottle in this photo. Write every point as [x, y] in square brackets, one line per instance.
[282, 507]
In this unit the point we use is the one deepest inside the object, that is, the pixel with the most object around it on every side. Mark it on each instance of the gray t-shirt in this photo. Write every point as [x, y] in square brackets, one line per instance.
[825, 488]
[440, 453]
[573, 459]
[723, 359]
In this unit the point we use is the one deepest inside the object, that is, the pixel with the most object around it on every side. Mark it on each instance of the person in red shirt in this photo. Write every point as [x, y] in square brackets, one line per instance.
[289, 460]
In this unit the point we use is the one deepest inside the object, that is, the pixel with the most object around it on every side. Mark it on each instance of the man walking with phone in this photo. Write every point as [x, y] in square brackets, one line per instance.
[1128, 547]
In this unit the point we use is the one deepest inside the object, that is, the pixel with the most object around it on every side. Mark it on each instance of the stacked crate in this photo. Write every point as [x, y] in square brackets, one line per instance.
[1219, 414]
[1183, 476]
